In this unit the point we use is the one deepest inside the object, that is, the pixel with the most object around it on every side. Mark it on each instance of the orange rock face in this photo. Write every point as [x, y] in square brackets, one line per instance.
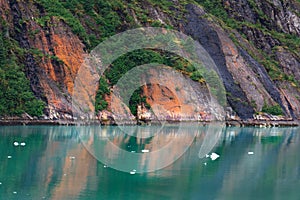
[70, 51]
[61, 55]
[64, 46]
[163, 96]
[55, 52]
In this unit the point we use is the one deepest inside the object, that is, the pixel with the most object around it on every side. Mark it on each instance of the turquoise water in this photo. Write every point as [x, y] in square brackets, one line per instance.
[61, 163]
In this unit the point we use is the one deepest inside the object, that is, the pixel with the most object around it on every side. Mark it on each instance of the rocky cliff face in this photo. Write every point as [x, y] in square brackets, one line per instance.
[247, 82]
[53, 54]
[256, 48]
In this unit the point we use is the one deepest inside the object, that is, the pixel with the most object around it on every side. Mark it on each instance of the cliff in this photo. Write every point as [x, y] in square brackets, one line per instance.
[254, 44]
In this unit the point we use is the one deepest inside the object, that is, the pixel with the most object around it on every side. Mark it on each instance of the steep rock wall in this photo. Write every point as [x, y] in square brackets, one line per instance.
[54, 54]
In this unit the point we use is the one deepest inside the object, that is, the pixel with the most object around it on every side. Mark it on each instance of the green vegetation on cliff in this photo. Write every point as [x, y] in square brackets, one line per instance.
[104, 17]
[273, 110]
[230, 19]
[16, 96]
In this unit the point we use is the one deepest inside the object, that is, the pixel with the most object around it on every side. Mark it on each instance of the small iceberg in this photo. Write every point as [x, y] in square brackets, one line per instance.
[132, 172]
[214, 156]
[16, 144]
[9, 157]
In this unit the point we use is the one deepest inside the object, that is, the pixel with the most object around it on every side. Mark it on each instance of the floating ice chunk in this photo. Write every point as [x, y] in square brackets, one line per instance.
[214, 156]
[232, 133]
[145, 150]
[16, 144]
[15, 192]
[0, 183]
[132, 172]
[250, 153]
[9, 157]
[22, 144]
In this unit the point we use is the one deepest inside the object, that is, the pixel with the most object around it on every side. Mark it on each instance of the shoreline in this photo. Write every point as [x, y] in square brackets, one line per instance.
[245, 123]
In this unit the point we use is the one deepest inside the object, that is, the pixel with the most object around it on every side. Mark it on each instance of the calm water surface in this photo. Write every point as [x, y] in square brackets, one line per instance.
[57, 163]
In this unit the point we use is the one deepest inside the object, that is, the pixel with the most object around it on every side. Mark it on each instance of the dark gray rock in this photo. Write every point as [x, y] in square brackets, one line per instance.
[200, 29]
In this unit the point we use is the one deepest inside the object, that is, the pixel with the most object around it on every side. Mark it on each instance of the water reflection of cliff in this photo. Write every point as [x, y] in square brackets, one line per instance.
[141, 149]
[272, 172]
[54, 164]
[65, 168]
[273, 167]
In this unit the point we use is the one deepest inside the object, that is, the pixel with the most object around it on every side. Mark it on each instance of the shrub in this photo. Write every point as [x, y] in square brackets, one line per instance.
[196, 76]
[103, 89]
[273, 110]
